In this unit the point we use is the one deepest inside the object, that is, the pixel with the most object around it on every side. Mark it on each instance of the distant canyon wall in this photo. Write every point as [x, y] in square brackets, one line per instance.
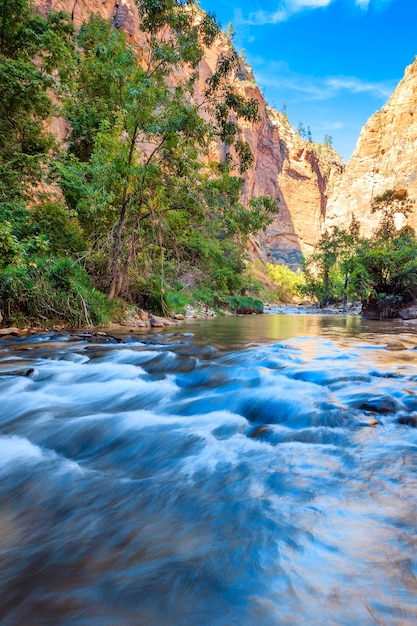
[385, 157]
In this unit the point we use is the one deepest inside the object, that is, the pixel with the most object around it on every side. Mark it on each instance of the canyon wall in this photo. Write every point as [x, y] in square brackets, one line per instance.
[385, 157]
[123, 13]
[315, 189]
[285, 165]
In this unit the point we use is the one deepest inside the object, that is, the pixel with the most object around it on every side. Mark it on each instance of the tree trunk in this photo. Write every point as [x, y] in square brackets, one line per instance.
[119, 279]
[117, 276]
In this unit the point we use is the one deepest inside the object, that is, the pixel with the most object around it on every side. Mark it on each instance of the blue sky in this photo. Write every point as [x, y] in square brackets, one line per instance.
[333, 62]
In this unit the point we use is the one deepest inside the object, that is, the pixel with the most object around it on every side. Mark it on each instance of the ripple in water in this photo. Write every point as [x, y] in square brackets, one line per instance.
[170, 481]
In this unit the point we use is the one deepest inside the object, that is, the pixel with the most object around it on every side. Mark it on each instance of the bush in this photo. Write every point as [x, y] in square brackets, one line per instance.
[62, 230]
[244, 305]
[55, 290]
[288, 283]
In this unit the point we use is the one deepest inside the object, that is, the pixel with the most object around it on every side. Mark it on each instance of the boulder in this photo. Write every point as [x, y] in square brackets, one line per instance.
[395, 345]
[409, 312]
[383, 405]
[10, 331]
[159, 322]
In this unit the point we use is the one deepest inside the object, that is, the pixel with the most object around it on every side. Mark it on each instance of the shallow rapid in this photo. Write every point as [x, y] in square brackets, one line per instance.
[243, 471]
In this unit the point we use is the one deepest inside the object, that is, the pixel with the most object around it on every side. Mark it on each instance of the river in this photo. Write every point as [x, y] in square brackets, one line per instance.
[249, 471]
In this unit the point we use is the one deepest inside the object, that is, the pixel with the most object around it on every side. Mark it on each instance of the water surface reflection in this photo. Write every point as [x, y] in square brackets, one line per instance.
[240, 471]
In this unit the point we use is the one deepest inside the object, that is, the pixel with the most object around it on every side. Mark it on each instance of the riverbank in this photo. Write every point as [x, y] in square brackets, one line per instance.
[137, 320]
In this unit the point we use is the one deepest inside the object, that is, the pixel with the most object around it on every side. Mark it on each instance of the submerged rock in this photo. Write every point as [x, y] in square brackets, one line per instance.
[408, 421]
[383, 404]
[97, 337]
[395, 345]
[26, 372]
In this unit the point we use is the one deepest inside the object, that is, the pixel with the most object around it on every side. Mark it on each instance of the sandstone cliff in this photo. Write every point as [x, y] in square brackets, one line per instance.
[299, 172]
[123, 13]
[385, 157]
[286, 166]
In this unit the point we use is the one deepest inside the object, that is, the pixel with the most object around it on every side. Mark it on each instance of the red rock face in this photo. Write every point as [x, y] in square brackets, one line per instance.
[385, 157]
[285, 165]
[123, 13]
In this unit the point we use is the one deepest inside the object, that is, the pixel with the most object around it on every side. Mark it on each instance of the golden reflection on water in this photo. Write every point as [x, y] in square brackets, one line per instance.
[367, 338]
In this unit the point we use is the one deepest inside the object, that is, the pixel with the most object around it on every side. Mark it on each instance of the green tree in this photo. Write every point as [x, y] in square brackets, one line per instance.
[301, 130]
[389, 205]
[385, 268]
[35, 61]
[329, 268]
[380, 270]
[230, 31]
[138, 140]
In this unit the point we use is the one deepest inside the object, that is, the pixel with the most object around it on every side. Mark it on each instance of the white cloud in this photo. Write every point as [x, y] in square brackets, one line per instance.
[306, 87]
[288, 8]
[378, 5]
[362, 4]
[356, 85]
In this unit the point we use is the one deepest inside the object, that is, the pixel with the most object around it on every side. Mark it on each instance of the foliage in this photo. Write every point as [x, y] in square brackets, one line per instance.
[327, 269]
[51, 290]
[25, 102]
[387, 268]
[301, 130]
[381, 271]
[390, 204]
[60, 228]
[135, 172]
[143, 206]
[244, 305]
[288, 283]
[10, 248]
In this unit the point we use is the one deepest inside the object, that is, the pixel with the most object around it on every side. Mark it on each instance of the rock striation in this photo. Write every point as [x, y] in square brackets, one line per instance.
[385, 157]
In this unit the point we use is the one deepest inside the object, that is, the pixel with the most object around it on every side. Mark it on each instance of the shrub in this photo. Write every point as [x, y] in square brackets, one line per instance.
[288, 283]
[55, 290]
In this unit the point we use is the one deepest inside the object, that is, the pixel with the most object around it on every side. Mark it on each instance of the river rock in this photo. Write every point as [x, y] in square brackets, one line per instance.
[383, 404]
[179, 316]
[98, 337]
[409, 312]
[159, 322]
[26, 373]
[408, 420]
[395, 345]
[10, 331]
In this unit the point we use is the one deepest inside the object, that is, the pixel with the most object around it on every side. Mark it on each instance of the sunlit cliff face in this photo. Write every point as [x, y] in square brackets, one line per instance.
[285, 165]
[313, 187]
[385, 158]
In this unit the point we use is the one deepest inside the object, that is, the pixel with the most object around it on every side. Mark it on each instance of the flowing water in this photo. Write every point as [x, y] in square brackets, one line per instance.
[242, 471]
